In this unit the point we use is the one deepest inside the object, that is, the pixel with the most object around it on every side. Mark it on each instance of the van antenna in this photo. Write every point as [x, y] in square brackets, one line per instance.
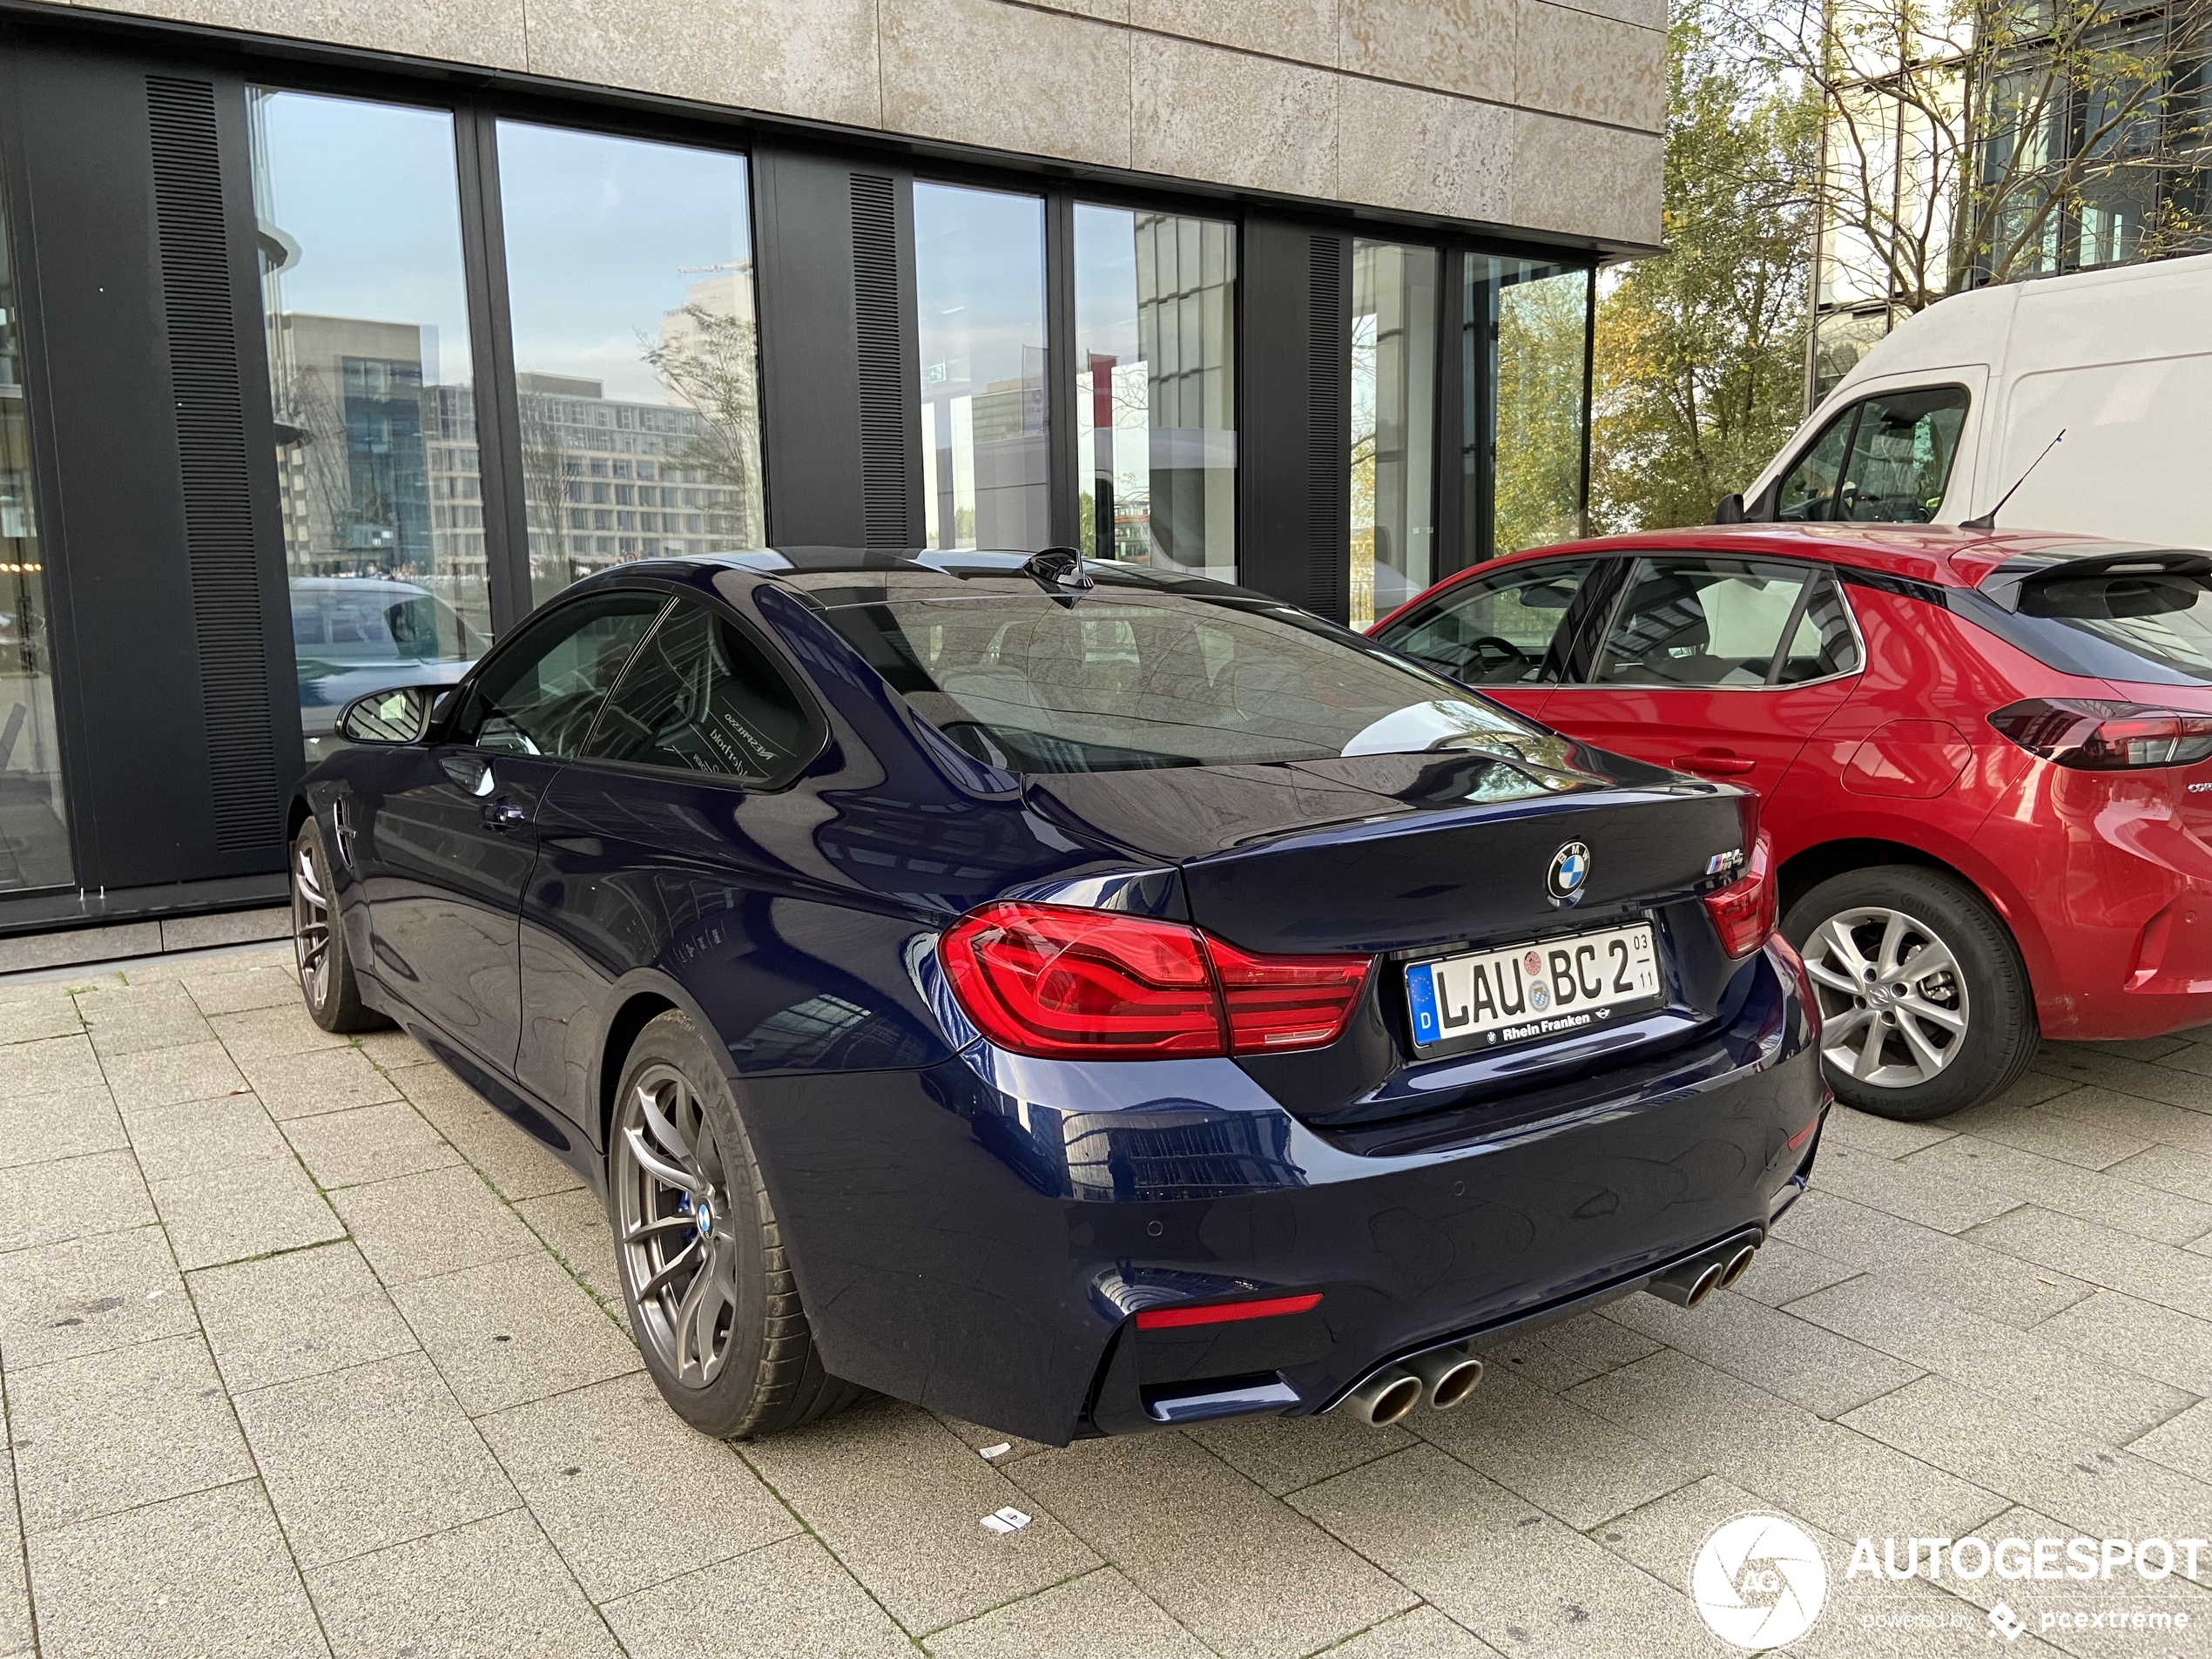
[1988, 520]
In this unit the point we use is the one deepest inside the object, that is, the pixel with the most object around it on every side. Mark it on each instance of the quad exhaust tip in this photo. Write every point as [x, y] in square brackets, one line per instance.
[1447, 1376]
[1385, 1397]
[1691, 1282]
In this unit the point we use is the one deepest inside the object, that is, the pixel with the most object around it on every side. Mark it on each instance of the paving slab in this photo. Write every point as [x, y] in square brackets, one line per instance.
[40, 1128]
[1101, 1611]
[1574, 1351]
[365, 1144]
[2182, 1443]
[493, 1589]
[246, 1210]
[171, 1076]
[1521, 1580]
[2091, 1062]
[44, 1014]
[42, 1203]
[900, 1502]
[2065, 1137]
[1783, 1272]
[2105, 1256]
[2165, 1217]
[789, 1601]
[1934, 1197]
[1961, 1272]
[2013, 1369]
[87, 1296]
[205, 1576]
[322, 1080]
[574, 1228]
[51, 1065]
[301, 1314]
[2082, 1479]
[513, 1330]
[259, 1034]
[602, 1467]
[364, 1459]
[108, 1432]
[1422, 1633]
[202, 1136]
[2151, 1341]
[420, 1226]
[1826, 1373]
[235, 990]
[1280, 1455]
[1243, 1571]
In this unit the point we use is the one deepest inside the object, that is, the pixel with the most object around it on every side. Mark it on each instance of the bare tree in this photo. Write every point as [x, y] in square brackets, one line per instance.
[1965, 139]
[714, 365]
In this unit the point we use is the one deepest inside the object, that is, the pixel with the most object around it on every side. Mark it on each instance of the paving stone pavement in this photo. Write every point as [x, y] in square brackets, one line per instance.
[305, 1350]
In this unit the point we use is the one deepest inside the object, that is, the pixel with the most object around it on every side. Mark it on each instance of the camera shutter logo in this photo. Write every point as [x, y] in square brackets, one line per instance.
[1759, 1581]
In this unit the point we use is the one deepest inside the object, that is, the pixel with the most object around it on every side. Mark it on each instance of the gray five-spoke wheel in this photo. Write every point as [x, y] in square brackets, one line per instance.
[676, 1227]
[1892, 1002]
[310, 925]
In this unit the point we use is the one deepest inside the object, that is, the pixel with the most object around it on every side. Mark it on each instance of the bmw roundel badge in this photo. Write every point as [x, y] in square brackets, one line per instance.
[1569, 874]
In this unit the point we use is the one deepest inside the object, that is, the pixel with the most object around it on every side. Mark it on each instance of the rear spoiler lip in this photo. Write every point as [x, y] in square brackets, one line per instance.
[2006, 583]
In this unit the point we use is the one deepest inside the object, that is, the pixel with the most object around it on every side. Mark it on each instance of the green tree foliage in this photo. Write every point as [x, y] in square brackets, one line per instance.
[1700, 363]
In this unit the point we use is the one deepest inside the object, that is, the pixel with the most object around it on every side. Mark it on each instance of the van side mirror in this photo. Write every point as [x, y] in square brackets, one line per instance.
[400, 715]
[1730, 511]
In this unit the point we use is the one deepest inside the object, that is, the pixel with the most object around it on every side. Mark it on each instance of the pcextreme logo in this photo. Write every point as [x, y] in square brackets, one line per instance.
[1759, 1581]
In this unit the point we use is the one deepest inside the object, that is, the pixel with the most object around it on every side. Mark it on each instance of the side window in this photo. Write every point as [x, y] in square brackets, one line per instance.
[1712, 621]
[1807, 494]
[1506, 630]
[541, 689]
[1901, 456]
[1822, 644]
[703, 697]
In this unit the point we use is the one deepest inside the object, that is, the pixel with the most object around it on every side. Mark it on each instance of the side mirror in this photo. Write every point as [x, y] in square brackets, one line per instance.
[1730, 510]
[400, 715]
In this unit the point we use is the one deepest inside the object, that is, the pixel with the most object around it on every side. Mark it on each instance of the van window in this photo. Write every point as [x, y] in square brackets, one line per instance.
[1885, 460]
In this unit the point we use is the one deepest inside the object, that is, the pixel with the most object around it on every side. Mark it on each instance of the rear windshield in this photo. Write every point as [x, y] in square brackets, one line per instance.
[2153, 627]
[1119, 681]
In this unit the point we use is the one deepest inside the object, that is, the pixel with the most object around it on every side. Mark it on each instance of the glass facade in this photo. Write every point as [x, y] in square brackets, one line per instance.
[979, 305]
[370, 382]
[1394, 425]
[1156, 389]
[34, 828]
[1524, 352]
[637, 350]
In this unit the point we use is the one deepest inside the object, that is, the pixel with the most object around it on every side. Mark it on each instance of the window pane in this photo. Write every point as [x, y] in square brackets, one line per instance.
[700, 697]
[1506, 630]
[370, 371]
[34, 832]
[1523, 351]
[979, 291]
[1823, 643]
[1156, 407]
[636, 350]
[1393, 420]
[1707, 622]
[539, 695]
[1808, 495]
[1901, 456]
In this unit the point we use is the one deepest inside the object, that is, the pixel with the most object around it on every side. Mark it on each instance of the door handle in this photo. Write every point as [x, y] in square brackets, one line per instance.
[1715, 763]
[504, 816]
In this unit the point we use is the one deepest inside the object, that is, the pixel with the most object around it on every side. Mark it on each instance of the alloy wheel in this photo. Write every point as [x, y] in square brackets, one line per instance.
[310, 925]
[677, 1227]
[1893, 1007]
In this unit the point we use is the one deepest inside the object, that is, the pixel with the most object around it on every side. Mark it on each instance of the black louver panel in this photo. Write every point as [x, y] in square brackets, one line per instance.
[210, 449]
[886, 504]
[1327, 454]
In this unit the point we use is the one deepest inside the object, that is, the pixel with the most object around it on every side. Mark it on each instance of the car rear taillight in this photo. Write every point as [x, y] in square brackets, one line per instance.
[1068, 984]
[1743, 912]
[2093, 735]
[1270, 1307]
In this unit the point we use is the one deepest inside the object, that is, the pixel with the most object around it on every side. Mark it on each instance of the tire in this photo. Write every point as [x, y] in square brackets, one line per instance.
[1949, 1038]
[326, 980]
[725, 1338]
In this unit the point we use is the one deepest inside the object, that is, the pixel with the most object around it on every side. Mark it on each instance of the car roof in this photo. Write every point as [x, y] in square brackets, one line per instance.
[1946, 554]
[870, 574]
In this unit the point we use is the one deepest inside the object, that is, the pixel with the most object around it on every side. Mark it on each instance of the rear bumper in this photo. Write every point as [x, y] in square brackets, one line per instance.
[976, 1236]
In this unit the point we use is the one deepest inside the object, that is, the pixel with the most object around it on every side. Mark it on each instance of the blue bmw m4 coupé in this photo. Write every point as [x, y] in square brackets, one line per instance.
[1076, 997]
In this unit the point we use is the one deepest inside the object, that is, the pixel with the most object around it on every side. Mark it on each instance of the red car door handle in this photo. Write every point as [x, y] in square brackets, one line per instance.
[1715, 763]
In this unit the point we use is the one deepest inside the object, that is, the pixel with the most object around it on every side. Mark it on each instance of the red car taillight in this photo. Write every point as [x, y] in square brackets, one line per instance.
[1068, 984]
[2094, 735]
[1743, 912]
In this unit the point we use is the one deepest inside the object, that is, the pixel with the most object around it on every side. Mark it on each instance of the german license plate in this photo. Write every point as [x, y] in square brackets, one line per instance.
[1537, 990]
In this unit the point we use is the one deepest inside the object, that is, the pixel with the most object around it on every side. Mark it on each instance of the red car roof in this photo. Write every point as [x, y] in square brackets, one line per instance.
[1943, 554]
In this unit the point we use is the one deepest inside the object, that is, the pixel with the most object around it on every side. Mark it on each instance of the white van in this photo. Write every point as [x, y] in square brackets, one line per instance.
[1943, 416]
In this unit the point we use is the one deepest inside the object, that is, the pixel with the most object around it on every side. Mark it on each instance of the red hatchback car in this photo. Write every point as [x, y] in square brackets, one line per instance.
[1985, 759]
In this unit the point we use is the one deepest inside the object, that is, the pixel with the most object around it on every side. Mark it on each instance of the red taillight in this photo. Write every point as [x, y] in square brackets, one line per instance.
[1743, 912]
[1277, 1002]
[1223, 1312]
[1069, 984]
[2093, 735]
